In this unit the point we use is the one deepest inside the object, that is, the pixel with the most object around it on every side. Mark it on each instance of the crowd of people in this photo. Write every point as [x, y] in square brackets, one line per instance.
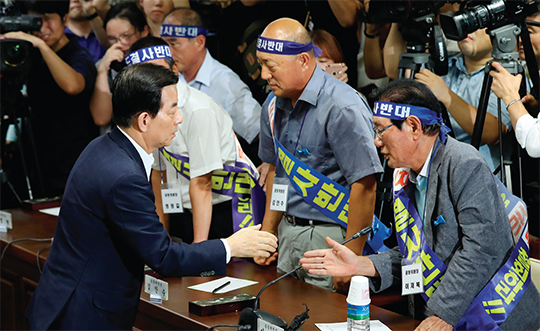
[148, 112]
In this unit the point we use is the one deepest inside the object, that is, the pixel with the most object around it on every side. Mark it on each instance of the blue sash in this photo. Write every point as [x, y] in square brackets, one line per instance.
[238, 181]
[324, 194]
[498, 298]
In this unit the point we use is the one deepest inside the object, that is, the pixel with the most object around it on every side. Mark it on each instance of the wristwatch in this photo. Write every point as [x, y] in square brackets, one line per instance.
[91, 17]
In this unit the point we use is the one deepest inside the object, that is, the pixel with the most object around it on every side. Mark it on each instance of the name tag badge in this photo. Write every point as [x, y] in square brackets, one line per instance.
[280, 190]
[171, 198]
[412, 280]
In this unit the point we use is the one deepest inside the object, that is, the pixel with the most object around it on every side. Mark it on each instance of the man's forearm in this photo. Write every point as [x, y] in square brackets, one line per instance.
[345, 11]
[271, 217]
[361, 208]
[69, 80]
[393, 48]
[200, 193]
[465, 115]
[101, 101]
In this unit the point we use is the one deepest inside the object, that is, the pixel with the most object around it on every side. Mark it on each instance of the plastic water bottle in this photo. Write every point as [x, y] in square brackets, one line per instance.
[358, 304]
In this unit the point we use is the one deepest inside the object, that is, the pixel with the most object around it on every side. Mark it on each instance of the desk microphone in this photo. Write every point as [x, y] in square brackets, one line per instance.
[250, 316]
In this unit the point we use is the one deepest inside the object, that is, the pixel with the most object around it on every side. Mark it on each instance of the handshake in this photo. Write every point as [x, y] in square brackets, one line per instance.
[250, 242]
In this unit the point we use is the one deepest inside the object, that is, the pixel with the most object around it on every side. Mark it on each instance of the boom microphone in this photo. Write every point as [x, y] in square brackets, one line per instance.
[252, 315]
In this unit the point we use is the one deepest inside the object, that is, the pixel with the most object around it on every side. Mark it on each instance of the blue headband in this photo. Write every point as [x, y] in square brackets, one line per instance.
[182, 31]
[285, 47]
[398, 111]
[149, 54]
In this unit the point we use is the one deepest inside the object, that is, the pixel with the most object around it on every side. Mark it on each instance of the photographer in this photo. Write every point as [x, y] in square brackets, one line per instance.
[533, 26]
[60, 84]
[506, 87]
[460, 89]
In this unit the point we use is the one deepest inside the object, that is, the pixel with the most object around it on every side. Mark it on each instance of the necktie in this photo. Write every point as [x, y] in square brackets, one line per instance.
[420, 195]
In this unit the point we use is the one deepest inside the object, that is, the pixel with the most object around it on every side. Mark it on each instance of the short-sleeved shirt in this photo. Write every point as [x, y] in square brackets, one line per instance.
[468, 86]
[205, 136]
[61, 123]
[227, 89]
[91, 44]
[336, 132]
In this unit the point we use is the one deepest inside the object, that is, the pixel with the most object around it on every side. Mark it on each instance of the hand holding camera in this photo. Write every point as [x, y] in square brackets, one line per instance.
[337, 70]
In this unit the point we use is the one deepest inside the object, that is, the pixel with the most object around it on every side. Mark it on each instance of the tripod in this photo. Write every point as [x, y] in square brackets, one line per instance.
[15, 111]
[504, 42]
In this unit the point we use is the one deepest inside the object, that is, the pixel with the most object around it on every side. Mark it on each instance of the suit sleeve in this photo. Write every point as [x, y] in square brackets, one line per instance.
[483, 243]
[388, 265]
[133, 219]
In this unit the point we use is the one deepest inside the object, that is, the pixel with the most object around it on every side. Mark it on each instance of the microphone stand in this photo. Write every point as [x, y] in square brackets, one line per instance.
[250, 316]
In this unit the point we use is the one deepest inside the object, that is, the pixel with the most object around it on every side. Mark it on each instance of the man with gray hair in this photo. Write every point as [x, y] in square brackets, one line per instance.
[459, 260]
[183, 30]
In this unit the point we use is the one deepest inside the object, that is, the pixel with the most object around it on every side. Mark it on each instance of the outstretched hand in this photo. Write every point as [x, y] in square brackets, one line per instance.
[338, 261]
[250, 242]
[434, 322]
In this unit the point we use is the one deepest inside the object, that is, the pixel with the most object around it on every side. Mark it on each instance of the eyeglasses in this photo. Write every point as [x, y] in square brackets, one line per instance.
[378, 132]
[124, 38]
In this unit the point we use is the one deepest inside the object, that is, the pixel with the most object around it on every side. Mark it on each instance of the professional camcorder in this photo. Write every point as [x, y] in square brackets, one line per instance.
[384, 11]
[14, 53]
[485, 14]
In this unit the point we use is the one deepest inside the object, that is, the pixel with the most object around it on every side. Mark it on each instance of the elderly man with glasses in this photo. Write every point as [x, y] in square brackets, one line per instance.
[451, 224]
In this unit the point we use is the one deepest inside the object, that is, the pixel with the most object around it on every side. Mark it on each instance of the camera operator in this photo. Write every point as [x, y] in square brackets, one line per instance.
[60, 84]
[460, 89]
[533, 25]
[506, 86]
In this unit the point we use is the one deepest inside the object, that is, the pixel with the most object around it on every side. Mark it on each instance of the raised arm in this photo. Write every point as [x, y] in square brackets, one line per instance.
[393, 48]
[101, 102]
[345, 11]
[69, 80]
[89, 8]
[463, 112]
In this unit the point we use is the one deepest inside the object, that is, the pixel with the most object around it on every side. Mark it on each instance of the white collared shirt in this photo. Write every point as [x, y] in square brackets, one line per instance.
[227, 89]
[146, 158]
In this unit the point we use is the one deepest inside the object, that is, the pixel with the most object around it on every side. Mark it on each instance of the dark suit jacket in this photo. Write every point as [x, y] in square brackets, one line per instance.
[107, 230]
[474, 242]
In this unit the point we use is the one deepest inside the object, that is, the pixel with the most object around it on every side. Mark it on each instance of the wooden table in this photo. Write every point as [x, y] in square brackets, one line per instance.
[284, 299]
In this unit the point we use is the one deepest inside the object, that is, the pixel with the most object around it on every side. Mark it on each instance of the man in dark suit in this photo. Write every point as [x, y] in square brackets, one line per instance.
[447, 208]
[108, 228]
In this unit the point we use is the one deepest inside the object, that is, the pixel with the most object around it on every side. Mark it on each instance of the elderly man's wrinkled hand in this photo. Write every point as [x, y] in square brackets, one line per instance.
[434, 323]
[250, 242]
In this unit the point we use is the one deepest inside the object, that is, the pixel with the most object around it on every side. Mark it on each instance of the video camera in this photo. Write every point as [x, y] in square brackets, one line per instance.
[15, 54]
[485, 14]
[398, 11]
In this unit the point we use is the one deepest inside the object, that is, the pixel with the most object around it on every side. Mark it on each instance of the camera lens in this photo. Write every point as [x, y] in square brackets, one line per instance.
[14, 55]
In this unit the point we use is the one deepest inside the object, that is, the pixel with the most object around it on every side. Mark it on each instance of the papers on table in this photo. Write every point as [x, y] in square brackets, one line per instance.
[51, 211]
[373, 326]
[235, 284]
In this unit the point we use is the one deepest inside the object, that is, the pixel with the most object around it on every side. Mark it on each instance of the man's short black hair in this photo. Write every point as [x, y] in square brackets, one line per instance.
[150, 41]
[410, 92]
[137, 89]
[60, 7]
[127, 11]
